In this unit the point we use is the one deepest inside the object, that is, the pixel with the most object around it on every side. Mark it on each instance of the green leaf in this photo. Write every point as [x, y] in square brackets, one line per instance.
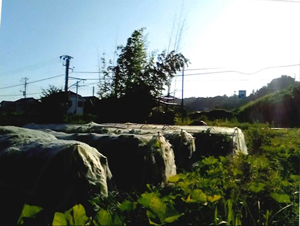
[210, 160]
[222, 159]
[60, 219]
[281, 198]
[173, 218]
[28, 211]
[79, 215]
[256, 187]
[127, 206]
[213, 198]
[145, 199]
[152, 202]
[74, 216]
[184, 185]
[103, 217]
[198, 196]
[294, 177]
[174, 178]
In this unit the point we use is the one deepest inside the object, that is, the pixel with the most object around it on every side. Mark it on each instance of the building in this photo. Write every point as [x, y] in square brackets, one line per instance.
[20, 106]
[76, 104]
[26, 105]
[8, 106]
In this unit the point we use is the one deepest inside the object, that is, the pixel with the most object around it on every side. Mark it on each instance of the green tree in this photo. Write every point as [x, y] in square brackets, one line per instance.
[138, 79]
[53, 105]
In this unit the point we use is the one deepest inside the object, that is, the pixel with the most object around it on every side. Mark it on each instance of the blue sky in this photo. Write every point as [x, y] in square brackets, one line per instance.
[231, 36]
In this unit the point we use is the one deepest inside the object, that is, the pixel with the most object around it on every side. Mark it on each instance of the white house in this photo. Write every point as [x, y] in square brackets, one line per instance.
[76, 104]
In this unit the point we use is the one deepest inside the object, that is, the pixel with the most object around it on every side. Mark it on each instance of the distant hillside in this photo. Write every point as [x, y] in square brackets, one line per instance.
[282, 108]
[230, 103]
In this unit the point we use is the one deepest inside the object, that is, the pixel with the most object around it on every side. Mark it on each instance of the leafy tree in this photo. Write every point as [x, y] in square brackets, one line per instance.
[138, 80]
[53, 105]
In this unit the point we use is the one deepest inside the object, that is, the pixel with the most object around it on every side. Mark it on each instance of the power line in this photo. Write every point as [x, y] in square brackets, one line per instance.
[32, 67]
[213, 72]
[196, 69]
[56, 76]
[12, 86]
[224, 80]
[86, 72]
[239, 72]
[14, 95]
[293, 1]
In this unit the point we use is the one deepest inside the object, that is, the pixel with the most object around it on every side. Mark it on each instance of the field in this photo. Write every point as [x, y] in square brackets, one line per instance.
[261, 188]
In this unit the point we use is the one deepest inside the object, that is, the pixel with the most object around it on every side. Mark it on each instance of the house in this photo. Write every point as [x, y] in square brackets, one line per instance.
[8, 106]
[76, 104]
[26, 105]
[20, 106]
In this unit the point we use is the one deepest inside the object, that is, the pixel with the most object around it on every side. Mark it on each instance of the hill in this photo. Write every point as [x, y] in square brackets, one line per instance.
[233, 102]
[282, 108]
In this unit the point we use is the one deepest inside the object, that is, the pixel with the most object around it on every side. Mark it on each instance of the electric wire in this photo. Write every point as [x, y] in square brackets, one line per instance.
[12, 86]
[33, 67]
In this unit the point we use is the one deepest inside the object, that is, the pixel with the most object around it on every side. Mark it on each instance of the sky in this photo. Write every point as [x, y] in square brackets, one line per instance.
[232, 44]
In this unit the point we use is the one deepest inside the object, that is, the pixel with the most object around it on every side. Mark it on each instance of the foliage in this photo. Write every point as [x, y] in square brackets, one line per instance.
[29, 212]
[74, 216]
[232, 102]
[53, 105]
[280, 108]
[134, 69]
[136, 80]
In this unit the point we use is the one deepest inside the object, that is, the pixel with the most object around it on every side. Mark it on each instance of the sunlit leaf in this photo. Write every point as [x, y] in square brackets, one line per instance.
[213, 198]
[256, 187]
[127, 206]
[28, 211]
[281, 198]
[173, 218]
[103, 217]
[79, 215]
[174, 178]
[222, 159]
[294, 177]
[184, 185]
[210, 160]
[198, 196]
[60, 219]
[74, 216]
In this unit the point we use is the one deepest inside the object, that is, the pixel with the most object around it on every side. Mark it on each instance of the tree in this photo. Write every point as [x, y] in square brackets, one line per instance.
[138, 79]
[53, 105]
[134, 68]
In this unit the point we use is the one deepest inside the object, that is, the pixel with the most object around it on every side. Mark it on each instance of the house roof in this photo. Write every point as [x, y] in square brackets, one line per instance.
[29, 99]
[74, 94]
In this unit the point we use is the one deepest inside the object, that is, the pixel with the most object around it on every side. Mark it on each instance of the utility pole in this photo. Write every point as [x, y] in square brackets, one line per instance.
[25, 86]
[67, 59]
[77, 97]
[182, 94]
[77, 85]
[117, 81]
[93, 90]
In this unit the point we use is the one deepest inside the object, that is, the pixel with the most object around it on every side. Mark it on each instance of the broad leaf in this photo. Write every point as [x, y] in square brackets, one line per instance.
[28, 212]
[127, 206]
[213, 198]
[281, 198]
[103, 217]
